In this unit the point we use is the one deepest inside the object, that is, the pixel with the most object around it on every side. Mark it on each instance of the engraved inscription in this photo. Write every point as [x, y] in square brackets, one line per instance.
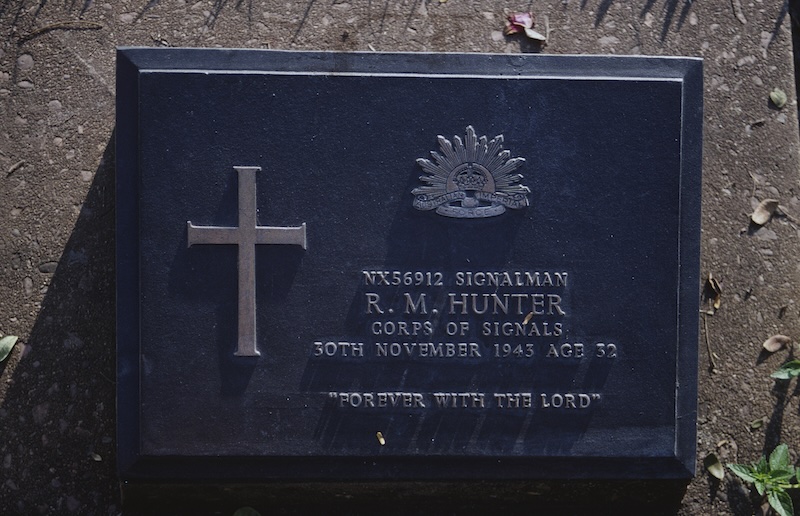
[465, 400]
[246, 236]
[514, 314]
[520, 317]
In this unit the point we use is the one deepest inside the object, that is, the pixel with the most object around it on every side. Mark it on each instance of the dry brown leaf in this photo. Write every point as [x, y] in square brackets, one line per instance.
[757, 423]
[776, 342]
[713, 465]
[527, 318]
[715, 289]
[764, 211]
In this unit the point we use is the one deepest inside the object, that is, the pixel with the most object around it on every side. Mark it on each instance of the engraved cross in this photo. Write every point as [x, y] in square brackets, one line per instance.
[246, 236]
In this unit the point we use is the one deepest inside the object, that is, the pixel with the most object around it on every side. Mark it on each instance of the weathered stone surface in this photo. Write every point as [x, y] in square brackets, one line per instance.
[558, 357]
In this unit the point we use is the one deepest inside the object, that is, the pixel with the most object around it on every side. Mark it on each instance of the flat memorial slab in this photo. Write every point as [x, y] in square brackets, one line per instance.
[406, 266]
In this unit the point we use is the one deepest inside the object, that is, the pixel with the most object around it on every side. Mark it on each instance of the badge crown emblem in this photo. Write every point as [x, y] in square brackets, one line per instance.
[473, 178]
[470, 179]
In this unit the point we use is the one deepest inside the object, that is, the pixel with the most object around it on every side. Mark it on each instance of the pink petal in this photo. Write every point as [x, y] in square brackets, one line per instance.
[524, 20]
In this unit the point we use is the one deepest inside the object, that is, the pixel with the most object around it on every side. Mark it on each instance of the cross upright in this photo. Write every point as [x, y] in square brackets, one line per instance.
[246, 236]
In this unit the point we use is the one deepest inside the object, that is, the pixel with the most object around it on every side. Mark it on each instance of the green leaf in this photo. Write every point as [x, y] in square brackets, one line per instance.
[781, 502]
[6, 345]
[744, 472]
[246, 511]
[788, 370]
[780, 475]
[779, 458]
[760, 487]
[761, 466]
[712, 464]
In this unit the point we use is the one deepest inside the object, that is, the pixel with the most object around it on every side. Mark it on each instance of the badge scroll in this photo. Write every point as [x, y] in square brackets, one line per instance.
[473, 178]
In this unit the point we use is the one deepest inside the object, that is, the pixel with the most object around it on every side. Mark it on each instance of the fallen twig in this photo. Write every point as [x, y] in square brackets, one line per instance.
[737, 10]
[16, 166]
[62, 25]
[713, 365]
[753, 191]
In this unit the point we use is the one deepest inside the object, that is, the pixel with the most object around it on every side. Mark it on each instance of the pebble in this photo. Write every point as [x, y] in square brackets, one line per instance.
[607, 41]
[72, 342]
[127, 17]
[86, 175]
[746, 60]
[497, 35]
[48, 267]
[25, 85]
[54, 105]
[765, 234]
[40, 412]
[73, 504]
[25, 62]
[27, 284]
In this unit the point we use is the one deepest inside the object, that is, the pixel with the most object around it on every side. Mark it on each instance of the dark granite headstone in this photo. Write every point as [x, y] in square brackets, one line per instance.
[406, 266]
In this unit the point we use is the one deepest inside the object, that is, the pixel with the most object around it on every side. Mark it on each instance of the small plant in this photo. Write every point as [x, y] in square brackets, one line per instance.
[787, 371]
[772, 478]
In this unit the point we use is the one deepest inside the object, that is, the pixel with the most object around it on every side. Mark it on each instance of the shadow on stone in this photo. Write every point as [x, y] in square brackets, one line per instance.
[58, 414]
[422, 498]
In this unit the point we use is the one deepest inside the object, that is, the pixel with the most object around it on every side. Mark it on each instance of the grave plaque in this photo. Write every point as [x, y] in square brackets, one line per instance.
[351, 266]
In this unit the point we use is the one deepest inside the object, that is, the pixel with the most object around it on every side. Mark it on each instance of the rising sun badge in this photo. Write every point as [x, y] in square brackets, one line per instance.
[471, 179]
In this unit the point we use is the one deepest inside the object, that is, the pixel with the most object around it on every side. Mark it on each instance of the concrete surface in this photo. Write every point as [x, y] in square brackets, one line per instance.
[57, 203]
